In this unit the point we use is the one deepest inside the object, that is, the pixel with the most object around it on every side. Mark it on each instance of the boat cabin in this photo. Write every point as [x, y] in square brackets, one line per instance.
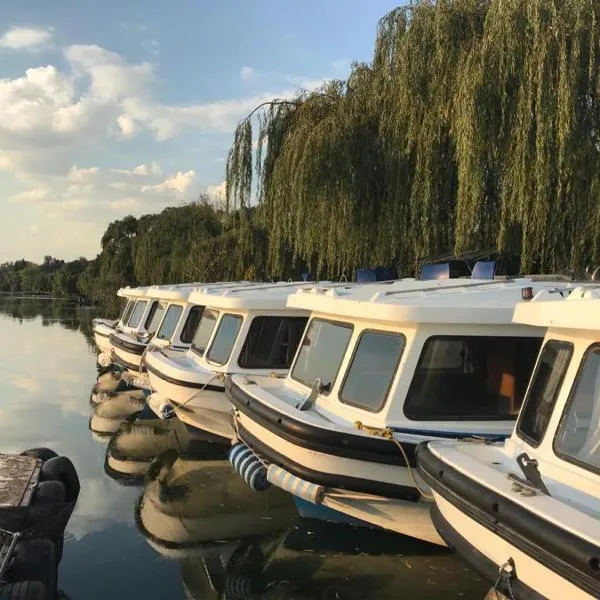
[408, 353]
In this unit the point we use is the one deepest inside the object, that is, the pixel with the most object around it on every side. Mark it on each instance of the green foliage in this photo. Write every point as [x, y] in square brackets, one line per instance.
[475, 126]
[53, 277]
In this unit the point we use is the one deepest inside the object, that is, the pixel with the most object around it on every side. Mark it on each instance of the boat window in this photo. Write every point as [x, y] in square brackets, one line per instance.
[204, 331]
[321, 353]
[191, 324]
[167, 327]
[372, 369]
[136, 315]
[543, 391]
[272, 342]
[126, 311]
[578, 437]
[154, 316]
[224, 339]
[471, 378]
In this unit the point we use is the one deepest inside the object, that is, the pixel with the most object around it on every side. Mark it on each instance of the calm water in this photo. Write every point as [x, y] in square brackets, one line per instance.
[47, 368]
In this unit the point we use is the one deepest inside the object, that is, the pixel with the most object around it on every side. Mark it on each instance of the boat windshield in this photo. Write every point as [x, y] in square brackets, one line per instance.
[167, 327]
[543, 391]
[204, 331]
[578, 437]
[321, 353]
[372, 368]
[191, 324]
[136, 315]
[155, 316]
[224, 339]
[462, 378]
[271, 342]
[126, 311]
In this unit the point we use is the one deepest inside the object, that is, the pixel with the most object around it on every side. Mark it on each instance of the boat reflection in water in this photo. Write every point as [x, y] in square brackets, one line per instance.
[132, 449]
[237, 544]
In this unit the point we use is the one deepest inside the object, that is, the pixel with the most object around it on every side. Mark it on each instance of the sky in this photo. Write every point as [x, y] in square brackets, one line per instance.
[114, 108]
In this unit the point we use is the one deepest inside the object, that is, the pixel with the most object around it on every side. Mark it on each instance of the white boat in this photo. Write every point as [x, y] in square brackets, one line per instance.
[104, 328]
[381, 368]
[163, 318]
[244, 329]
[526, 513]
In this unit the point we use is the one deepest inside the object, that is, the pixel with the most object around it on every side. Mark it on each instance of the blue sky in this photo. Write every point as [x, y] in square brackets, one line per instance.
[114, 108]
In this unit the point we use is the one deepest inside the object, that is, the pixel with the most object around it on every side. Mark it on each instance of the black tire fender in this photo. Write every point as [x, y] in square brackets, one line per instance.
[60, 468]
[35, 561]
[43, 454]
[49, 493]
[24, 590]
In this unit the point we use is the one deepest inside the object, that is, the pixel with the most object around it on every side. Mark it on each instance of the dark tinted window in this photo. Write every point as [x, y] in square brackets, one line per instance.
[471, 378]
[578, 438]
[321, 353]
[138, 312]
[167, 327]
[224, 339]
[372, 369]
[543, 391]
[191, 324]
[155, 317]
[271, 342]
[204, 331]
[127, 311]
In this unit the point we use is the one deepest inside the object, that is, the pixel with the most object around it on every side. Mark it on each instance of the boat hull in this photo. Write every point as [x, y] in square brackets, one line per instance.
[491, 531]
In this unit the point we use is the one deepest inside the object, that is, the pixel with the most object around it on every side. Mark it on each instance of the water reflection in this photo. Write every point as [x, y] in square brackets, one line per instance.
[200, 532]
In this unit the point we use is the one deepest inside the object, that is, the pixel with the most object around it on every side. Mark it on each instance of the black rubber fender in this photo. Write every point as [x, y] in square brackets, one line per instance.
[24, 590]
[60, 468]
[35, 561]
[43, 454]
[49, 493]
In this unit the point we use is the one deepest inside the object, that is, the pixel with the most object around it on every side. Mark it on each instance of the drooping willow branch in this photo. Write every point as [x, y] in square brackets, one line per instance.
[476, 124]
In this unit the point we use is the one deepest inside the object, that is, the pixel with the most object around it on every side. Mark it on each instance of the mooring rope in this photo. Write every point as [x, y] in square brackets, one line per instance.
[388, 434]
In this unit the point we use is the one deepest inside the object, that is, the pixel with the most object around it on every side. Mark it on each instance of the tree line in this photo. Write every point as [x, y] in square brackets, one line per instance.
[475, 126]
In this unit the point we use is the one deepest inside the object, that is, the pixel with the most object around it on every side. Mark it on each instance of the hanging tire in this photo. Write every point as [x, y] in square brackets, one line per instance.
[43, 454]
[35, 561]
[49, 493]
[24, 590]
[60, 468]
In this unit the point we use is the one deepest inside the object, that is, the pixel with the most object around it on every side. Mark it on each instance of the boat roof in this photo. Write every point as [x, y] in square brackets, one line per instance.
[463, 301]
[132, 292]
[578, 310]
[172, 293]
[248, 296]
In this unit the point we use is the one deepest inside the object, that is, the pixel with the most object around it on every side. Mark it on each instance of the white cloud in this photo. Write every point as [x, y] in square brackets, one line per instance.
[180, 182]
[217, 192]
[83, 175]
[127, 126]
[145, 170]
[32, 196]
[247, 73]
[25, 38]
[342, 65]
[79, 189]
[127, 203]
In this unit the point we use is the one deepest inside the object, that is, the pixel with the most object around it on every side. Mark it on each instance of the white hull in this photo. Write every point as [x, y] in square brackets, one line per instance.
[194, 414]
[130, 360]
[102, 342]
[402, 516]
[533, 574]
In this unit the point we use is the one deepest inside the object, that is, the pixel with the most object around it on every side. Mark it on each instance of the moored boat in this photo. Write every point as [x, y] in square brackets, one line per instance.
[381, 368]
[244, 329]
[164, 317]
[526, 513]
[104, 328]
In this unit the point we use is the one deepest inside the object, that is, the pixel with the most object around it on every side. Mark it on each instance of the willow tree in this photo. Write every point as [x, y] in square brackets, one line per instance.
[475, 125]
